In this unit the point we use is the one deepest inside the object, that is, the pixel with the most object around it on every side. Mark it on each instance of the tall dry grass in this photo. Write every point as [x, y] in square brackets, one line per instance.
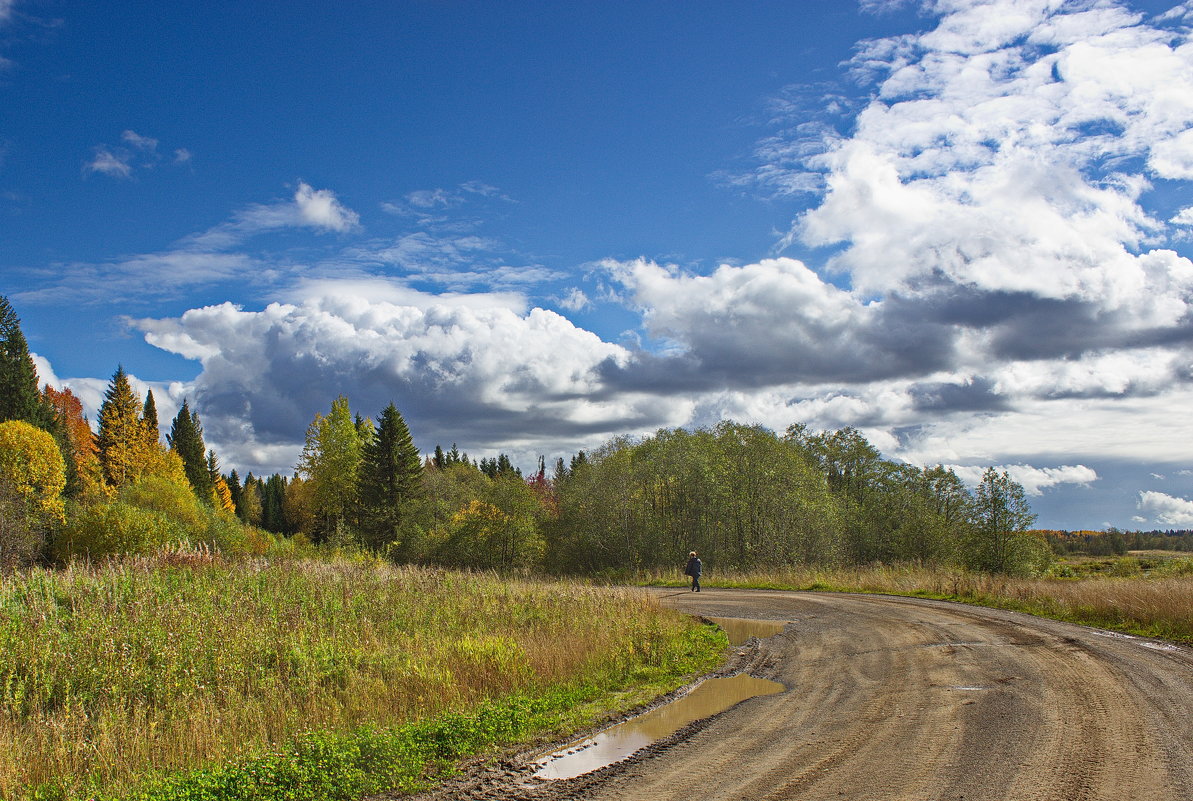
[109, 673]
[1159, 604]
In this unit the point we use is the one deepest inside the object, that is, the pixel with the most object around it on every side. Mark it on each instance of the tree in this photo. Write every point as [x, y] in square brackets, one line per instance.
[153, 432]
[330, 460]
[121, 440]
[84, 477]
[186, 439]
[273, 497]
[32, 464]
[249, 509]
[390, 478]
[19, 395]
[1002, 517]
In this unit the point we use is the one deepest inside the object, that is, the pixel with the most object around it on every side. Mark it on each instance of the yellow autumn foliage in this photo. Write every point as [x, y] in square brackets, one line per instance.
[31, 463]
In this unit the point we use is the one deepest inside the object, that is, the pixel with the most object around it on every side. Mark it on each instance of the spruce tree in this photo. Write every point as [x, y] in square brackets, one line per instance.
[390, 478]
[153, 432]
[121, 438]
[186, 439]
[20, 398]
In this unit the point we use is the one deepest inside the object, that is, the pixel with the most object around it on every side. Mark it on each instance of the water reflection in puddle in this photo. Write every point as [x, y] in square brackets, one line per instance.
[739, 629]
[620, 741]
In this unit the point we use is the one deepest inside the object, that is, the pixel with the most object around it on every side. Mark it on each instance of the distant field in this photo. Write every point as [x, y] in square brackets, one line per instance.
[1150, 595]
[233, 680]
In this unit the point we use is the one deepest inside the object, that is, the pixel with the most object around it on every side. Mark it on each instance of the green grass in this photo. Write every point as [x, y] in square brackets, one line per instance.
[144, 680]
[1121, 597]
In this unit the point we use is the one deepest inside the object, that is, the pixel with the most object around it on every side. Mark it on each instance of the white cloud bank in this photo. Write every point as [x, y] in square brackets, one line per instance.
[1166, 509]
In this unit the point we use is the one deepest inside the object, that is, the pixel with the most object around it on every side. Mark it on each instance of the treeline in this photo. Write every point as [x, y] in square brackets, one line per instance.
[67, 491]
[1115, 542]
[743, 496]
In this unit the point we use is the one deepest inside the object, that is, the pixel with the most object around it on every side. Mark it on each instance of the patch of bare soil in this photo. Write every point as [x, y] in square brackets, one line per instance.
[898, 698]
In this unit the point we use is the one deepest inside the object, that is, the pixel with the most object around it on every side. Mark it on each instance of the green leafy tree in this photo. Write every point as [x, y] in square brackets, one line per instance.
[390, 479]
[1001, 518]
[330, 460]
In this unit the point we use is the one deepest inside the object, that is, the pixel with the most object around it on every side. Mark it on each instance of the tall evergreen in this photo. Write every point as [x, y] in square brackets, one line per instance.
[186, 439]
[121, 437]
[390, 476]
[273, 496]
[152, 429]
[234, 487]
[19, 395]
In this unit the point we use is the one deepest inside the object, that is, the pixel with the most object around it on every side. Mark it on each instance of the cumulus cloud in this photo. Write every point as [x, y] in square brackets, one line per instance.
[459, 368]
[320, 208]
[994, 282]
[1166, 509]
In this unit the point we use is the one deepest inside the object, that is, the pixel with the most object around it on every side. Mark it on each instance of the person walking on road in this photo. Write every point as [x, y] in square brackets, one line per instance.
[693, 570]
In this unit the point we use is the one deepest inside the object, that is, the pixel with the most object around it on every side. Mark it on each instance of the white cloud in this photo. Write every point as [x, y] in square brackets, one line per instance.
[994, 156]
[309, 208]
[109, 163]
[470, 368]
[321, 209]
[6, 7]
[1183, 217]
[1034, 480]
[138, 152]
[575, 300]
[147, 143]
[1166, 509]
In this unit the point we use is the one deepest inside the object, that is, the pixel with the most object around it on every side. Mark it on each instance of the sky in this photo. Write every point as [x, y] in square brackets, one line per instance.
[963, 227]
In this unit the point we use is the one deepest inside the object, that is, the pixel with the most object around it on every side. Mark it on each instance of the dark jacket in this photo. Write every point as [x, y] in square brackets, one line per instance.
[693, 568]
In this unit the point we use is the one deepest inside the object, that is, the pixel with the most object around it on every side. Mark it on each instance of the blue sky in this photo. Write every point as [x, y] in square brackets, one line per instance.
[962, 226]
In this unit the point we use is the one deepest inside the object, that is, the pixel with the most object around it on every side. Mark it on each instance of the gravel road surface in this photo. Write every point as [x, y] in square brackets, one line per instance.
[897, 698]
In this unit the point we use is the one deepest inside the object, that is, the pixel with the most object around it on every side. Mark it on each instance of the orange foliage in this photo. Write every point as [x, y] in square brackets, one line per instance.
[83, 450]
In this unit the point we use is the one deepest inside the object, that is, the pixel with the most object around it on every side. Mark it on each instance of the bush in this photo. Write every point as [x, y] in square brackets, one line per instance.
[115, 527]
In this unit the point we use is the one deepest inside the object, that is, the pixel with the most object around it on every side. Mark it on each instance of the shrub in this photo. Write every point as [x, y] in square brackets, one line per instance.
[115, 527]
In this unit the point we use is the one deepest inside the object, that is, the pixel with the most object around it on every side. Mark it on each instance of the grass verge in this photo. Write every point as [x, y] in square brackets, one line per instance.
[147, 680]
[1158, 604]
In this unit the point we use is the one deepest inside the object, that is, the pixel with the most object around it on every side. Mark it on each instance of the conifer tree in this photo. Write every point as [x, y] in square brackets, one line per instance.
[153, 432]
[234, 487]
[186, 439]
[390, 477]
[19, 395]
[121, 438]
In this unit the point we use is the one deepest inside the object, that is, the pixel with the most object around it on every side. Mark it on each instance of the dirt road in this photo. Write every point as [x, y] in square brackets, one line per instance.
[894, 698]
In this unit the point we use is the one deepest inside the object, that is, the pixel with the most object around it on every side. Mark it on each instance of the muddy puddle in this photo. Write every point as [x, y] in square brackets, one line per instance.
[707, 699]
[739, 629]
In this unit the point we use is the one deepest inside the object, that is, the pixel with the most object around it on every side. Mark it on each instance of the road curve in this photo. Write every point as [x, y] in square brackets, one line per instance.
[898, 698]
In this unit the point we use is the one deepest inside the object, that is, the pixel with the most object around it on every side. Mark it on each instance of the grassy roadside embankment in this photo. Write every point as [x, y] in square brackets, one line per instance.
[1158, 604]
[149, 680]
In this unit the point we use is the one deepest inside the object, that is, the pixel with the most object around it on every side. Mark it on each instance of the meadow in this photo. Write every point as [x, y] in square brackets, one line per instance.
[1146, 595]
[184, 676]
